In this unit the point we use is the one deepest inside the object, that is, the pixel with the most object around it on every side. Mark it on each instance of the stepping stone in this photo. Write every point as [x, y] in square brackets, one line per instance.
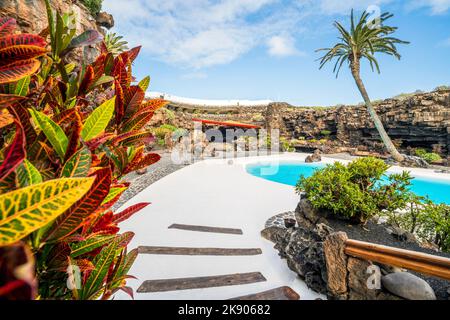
[281, 293]
[200, 282]
[199, 251]
[205, 229]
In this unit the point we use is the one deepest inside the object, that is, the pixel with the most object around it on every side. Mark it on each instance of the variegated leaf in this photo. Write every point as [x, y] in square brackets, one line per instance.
[144, 83]
[52, 131]
[27, 174]
[102, 262]
[28, 209]
[22, 52]
[98, 120]
[14, 154]
[78, 165]
[22, 39]
[127, 213]
[16, 70]
[73, 218]
[89, 245]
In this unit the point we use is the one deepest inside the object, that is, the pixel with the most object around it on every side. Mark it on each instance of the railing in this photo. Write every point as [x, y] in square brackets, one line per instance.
[415, 261]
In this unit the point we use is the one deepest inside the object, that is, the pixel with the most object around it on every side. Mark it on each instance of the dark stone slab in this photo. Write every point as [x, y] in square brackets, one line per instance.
[205, 229]
[281, 293]
[199, 251]
[200, 282]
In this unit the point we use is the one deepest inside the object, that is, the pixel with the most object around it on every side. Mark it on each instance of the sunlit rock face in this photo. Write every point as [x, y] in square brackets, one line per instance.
[31, 16]
[419, 121]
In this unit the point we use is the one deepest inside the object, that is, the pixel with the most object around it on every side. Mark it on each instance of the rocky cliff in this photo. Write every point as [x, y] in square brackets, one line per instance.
[421, 120]
[31, 14]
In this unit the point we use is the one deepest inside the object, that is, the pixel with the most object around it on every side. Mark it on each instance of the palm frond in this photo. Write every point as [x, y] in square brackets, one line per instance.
[362, 40]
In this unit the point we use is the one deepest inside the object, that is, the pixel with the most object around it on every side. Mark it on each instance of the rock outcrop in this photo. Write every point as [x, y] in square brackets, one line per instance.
[31, 15]
[315, 250]
[422, 120]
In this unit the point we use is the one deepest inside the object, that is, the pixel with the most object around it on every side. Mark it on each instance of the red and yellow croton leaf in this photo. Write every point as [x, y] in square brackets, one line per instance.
[87, 81]
[5, 118]
[22, 39]
[15, 71]
[138, 121]
[8, 99]
[128, 212]
[7, 26]
[134, 137]
[73, 218]
[133, 96]
[74, 141]
[143, 162]
[154, 104]
[27, 209]
[120, 102]
[23, 52]
[14, 154]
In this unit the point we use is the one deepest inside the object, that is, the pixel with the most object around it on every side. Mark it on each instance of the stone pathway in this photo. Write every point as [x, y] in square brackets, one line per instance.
[200, 238]
[176, 284]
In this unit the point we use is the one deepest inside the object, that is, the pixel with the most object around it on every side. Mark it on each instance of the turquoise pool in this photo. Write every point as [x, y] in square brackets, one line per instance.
[289, 173]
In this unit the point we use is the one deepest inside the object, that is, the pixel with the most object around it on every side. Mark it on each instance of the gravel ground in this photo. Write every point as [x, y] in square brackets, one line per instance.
[376, 233]
[155, 172]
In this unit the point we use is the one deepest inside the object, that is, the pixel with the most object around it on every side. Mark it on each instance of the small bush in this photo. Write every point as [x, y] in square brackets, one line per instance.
[94, 6]
[427, 156]
[355, 191]
[428, 221]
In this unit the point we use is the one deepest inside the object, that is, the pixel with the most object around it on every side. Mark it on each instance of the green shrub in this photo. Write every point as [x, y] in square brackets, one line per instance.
[94, 6]
[428, 221]
[427, 156]
[325, 133]
[354, 191]
[287, 145]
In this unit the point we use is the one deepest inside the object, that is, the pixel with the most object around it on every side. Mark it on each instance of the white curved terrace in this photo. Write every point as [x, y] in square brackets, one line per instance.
[217, 193]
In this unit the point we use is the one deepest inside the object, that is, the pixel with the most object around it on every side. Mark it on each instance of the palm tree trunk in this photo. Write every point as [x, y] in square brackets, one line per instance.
[355, 66]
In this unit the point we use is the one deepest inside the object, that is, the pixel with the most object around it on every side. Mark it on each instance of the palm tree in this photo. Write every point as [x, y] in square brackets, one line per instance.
[364, 40]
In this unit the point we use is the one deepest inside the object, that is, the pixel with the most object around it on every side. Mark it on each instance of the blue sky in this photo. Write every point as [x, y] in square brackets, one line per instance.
[265, 49]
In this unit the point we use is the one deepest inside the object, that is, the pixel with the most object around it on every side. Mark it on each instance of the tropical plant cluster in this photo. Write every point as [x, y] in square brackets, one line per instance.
[428, 221]
[427, 156]
[362, 190]
[357, 191]
[68, 134]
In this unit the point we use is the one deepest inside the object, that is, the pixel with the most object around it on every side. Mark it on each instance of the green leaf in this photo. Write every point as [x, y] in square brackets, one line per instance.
[102, 80]
[21, 87]
[88, 245]
[114, 192]
[78, 165]
[25, 210]
[102, 262]
[52, 131]
[27, 174]
[144, 83]
[97, 122]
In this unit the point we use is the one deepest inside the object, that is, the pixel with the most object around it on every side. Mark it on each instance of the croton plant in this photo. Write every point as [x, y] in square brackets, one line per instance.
[68, 134]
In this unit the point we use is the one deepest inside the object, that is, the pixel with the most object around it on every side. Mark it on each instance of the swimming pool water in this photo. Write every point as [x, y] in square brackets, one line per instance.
[289, 173]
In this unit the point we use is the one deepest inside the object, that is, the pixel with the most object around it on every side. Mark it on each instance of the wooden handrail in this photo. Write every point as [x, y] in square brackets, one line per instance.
[415, 261]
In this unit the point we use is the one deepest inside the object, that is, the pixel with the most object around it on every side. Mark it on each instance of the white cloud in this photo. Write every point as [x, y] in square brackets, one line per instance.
[436, 6]
[344, 6]
[201, 33]
[282, 46]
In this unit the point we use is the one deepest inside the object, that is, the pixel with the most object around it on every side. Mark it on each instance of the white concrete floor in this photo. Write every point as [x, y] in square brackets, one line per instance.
[211, 193]
[220, 194]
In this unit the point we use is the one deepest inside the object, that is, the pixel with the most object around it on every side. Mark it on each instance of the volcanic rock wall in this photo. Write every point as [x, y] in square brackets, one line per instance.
[422, 120]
